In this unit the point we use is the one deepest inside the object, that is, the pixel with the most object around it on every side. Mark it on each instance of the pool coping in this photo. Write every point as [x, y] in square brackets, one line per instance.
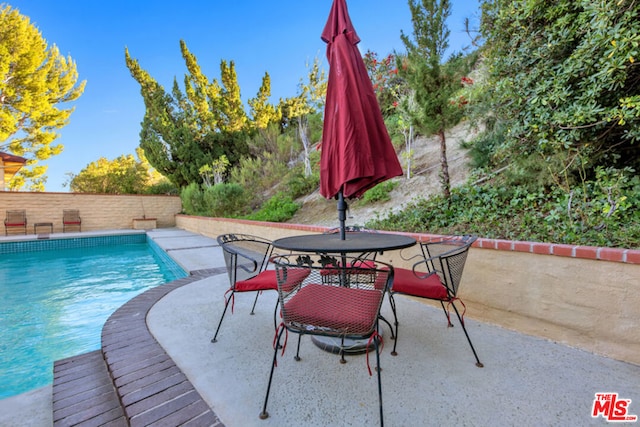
[149, 385]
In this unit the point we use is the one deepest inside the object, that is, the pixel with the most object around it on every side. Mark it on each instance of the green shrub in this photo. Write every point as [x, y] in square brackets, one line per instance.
[300, 185]
[192, 200]
[278, 208]
[226, 200]
[379, 193]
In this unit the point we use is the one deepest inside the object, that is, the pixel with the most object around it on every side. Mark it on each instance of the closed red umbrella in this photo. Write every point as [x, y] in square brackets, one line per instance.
[357, 152]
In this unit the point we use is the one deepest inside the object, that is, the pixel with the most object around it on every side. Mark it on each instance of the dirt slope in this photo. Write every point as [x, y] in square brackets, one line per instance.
[316, 210]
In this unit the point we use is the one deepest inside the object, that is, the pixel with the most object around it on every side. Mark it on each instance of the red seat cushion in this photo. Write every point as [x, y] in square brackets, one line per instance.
[267, 280]
[14, 224]
[406, 282]
[323, 308]
[72, 222]
[262, 282]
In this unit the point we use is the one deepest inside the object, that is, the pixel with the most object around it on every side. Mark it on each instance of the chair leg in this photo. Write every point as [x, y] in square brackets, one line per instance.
[297, 356]
[376, 345]
[392, 302]
[478, 363]
[264, 414]
[393, 334]
[254, 302]
[226, 305]
[446, 314]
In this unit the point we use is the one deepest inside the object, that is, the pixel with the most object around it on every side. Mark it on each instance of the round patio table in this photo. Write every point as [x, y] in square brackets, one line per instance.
[355, 242]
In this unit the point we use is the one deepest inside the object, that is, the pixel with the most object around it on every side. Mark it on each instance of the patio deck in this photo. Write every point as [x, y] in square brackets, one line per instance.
[433, 380]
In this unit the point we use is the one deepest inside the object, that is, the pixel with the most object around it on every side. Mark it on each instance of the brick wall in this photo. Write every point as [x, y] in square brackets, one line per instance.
[98, 211]
[582, 296]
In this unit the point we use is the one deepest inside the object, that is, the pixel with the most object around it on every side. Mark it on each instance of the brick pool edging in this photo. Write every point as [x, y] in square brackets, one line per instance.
[149, 385]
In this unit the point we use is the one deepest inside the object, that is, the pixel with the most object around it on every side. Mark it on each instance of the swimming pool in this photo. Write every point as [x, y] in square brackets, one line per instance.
[56, 295]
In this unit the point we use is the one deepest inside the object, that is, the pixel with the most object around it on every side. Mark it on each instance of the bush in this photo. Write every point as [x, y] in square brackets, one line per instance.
[226, 200]
[379, 193]
[279, 208]
[192, 200]
[300, 185]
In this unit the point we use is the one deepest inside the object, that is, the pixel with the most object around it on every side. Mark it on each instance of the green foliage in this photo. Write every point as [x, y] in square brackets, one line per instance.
[124, 175]
[226, 200]
[298, 184]
[563, 77]
[278, 208]
[193, 200]
[379, 193]
[258, 175]
[163, 186]
[601, 212]
[35, 83]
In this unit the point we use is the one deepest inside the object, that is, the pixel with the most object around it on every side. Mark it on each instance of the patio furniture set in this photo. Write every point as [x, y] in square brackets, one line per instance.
[333, 288]
[16, 220]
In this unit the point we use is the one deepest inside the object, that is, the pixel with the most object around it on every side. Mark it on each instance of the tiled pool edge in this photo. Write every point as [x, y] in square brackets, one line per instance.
[148, 383]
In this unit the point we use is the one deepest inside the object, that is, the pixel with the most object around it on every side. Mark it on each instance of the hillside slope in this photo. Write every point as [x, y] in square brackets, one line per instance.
[317, 210]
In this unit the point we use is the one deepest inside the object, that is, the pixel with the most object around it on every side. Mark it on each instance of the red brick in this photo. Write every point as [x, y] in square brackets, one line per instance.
[563, 250]
[522, 246]
[611, 254]
[633, 256]
[586, 252]
[504, 245]
[541, 248]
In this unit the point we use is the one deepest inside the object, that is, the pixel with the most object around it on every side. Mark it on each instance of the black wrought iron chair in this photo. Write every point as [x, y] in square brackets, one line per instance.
[437, 277]
[246, 258]
[15, 220]
[345, 308]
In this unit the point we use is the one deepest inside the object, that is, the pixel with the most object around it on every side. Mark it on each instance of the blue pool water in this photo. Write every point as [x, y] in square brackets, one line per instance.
[53, 303]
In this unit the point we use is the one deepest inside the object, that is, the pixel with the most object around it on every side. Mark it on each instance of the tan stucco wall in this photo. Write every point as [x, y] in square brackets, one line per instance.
[585, 303]
[98, 211]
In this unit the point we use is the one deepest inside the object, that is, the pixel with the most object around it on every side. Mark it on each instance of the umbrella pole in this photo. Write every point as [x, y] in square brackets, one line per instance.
[342, 214]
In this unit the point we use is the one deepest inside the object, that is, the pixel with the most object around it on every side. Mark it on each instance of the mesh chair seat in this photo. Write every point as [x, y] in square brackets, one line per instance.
[332, 311]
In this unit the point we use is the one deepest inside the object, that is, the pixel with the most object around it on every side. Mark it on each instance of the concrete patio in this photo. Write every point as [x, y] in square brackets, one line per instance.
[433, 380]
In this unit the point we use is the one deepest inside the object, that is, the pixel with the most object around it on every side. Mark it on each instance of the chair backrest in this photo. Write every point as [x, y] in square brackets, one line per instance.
[70, 216]
[245, 255]
[448, 259]
[16, 217]
[331, 296]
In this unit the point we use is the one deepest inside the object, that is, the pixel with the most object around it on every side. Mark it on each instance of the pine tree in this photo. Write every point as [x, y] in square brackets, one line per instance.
[34, 81]
[433, 83]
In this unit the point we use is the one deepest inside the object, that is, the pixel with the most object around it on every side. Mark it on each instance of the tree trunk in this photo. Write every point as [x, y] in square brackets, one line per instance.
[302, 127]
[444, 166]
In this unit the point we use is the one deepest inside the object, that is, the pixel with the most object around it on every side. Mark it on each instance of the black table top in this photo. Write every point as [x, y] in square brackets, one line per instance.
[354, 242]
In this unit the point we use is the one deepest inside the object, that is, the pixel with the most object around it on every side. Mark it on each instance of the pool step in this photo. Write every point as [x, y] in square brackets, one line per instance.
[83, 393]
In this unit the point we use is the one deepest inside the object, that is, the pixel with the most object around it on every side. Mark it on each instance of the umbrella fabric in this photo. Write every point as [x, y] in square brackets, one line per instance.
[357, 152]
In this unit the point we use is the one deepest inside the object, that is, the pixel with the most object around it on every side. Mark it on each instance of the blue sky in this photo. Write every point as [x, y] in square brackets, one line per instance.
[279, 37]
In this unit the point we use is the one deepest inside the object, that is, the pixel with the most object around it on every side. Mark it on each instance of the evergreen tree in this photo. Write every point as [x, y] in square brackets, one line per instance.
[34, 81]
[433, 82]
[182, 132]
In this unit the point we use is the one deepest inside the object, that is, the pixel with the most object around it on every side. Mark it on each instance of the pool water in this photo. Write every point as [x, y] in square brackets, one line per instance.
[54, 303]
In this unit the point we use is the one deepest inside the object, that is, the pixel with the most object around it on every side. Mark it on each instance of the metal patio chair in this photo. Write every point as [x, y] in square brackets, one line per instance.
[345, 309]
[71, 218]
[437, 277]
[247, 259]
[15, 220]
